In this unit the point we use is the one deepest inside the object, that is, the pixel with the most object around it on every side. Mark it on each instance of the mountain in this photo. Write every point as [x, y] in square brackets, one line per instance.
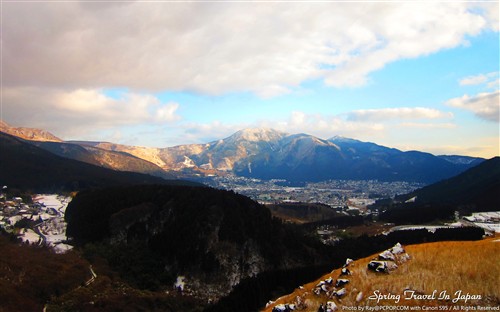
[149, 154]
[117, 160]
[29, 133]
[477, 188]
[104, 158]
[371, 161]
[270, 154]
[25, 166]
[155, 235]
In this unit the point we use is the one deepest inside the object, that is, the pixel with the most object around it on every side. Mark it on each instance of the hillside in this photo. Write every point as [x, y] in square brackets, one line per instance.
[28, 167]
[34, 278]
[477, 187]
[104, 158]
[213, 238]
[28, 133]
[470, 267]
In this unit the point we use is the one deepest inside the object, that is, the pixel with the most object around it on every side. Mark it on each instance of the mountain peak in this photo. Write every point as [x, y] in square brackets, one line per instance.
[339, 138]
[258, 134]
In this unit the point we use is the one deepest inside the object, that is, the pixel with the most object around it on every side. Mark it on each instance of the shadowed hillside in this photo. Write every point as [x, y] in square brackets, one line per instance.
[214, 238]
[28, 167]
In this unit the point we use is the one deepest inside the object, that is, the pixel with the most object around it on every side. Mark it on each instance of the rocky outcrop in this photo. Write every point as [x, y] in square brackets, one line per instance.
[389, 259]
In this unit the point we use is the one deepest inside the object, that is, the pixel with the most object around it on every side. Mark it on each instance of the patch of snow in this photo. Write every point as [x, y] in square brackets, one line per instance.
[188, 162]
[386, 255]
[29, 236]
[341, 292]
[180, 283]
[331, 306]
[359, 296]
[397, 249]
[348, 261]
[411, 200]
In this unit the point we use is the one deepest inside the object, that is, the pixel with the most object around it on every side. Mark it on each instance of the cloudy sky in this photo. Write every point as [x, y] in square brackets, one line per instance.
[412, 75]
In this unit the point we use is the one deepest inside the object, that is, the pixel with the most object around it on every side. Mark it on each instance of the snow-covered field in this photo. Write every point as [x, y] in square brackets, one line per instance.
[489, 221]
[486, 220]
[52, 228]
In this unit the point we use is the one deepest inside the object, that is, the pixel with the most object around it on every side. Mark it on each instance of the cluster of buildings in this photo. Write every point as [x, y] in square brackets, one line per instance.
[40, 221]
[335, 193]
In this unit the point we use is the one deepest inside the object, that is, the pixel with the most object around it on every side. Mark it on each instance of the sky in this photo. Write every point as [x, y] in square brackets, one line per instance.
[413, 75]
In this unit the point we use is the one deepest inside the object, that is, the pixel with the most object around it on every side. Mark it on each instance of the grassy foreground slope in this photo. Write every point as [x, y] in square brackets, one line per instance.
[471, 267]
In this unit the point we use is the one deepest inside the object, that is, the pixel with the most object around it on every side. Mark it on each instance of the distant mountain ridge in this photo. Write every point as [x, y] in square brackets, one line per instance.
[271, 154]
[265, 153]
[87, 153]
[28, 167]
[29, 133]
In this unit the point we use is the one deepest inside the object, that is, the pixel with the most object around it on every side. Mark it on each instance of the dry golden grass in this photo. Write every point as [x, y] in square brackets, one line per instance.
[471, 267]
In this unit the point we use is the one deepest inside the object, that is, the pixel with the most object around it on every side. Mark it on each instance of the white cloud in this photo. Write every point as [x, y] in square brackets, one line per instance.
[491, 79]
[484, 105]
[215, 48]
[70, 113]
[428, 126]
[385, 114]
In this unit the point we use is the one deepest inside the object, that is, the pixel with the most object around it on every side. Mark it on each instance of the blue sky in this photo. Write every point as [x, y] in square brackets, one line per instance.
[409, 75]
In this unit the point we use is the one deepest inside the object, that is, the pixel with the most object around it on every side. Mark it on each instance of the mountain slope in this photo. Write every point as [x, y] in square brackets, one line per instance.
[372, 161]
[25, 166]
[104, 158]
[432, 267]
[478, 187]
[88, 152]
[29, 133]
[213, 238]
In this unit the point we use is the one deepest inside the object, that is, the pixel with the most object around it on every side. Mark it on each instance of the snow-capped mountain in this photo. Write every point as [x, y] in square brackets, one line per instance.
[271, 154]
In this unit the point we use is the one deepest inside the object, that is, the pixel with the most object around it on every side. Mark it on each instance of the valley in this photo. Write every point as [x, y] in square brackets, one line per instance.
[222, 239]
[334, 193]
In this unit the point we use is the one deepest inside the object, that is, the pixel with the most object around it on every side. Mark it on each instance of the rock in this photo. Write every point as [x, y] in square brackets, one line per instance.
[340, 293]
[386, 255]
[359, 296]
[348, 261]
[331, 306]
[382, 266]
[345, 271]
[397, 249]
[284, 308]
[403, 258]
[321, 283]
[341, 282]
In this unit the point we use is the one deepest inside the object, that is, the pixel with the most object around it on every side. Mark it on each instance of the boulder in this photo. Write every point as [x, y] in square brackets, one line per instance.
[341, 282]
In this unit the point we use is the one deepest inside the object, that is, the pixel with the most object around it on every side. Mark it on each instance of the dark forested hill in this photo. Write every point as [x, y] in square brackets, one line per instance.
[474, 190]
[28, 167]
[478, 187]
[213, 238]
